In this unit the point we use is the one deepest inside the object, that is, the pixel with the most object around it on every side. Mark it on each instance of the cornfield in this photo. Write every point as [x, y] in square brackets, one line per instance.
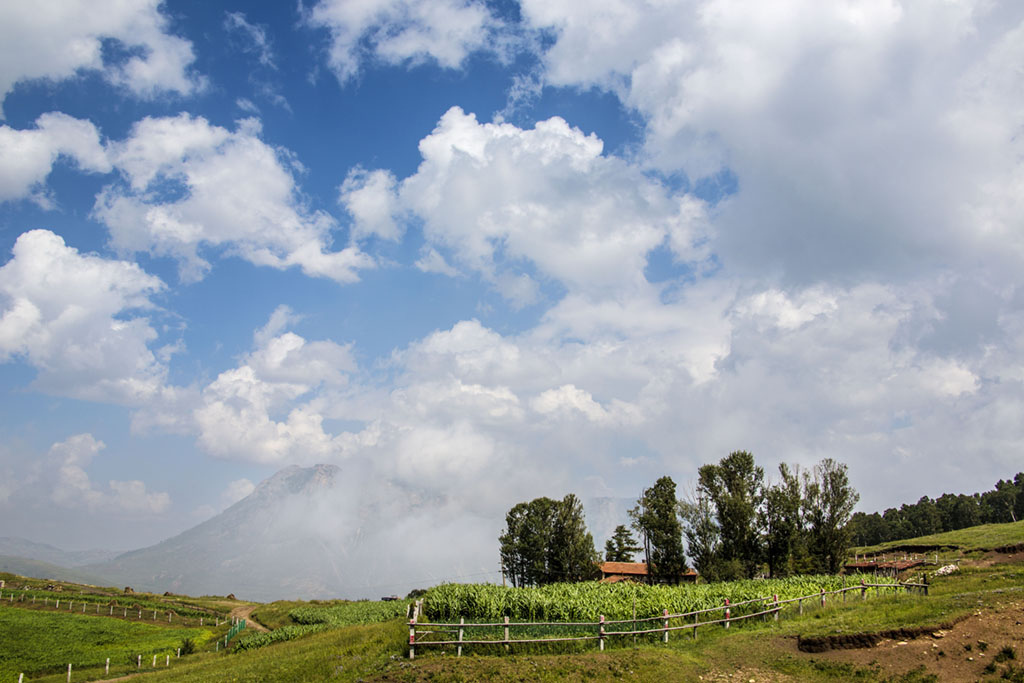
[560, 602]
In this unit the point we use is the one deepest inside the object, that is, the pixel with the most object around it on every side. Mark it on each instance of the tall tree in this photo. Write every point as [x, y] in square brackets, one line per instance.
[782, 522]
[656, 518]
[571, 546]
[621, 547]
[829, 502]
[546, 541]
[734, 486]
[703, 540]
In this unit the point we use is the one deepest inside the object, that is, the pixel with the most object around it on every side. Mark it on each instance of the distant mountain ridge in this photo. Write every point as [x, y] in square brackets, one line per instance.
[249, 549]
[30, 550]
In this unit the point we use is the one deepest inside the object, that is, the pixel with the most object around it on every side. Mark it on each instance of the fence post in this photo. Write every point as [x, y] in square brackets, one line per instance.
[727, 612]
[458, 651]
[800, 605]
[106, 669]
[776, 607]
[863, 590]
[154, 661]
[926, 585]
[823, 597]
[600, 634]
[69, 672]
[506, 634]
[412, 638]
[138, 664]
[664, 613]
[168, 662]
[844, 587]
[695, 627]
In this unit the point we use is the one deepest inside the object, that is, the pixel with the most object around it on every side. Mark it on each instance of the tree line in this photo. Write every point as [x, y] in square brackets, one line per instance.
[735, 525]
[948, 512]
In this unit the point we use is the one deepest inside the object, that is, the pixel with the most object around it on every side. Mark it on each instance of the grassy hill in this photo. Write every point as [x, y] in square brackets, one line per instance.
[968, 628]
[44, 570]
[977, 538]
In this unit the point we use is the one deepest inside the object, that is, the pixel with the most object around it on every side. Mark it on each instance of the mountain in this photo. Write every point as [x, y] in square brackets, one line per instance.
[264, 547]
[29, 550]
[38, 569]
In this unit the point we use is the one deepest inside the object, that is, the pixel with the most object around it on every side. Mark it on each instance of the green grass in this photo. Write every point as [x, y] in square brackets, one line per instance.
[984, 537]
[38, 642]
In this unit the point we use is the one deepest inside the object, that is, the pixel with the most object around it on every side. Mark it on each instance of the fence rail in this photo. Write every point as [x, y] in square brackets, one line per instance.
[420, 632]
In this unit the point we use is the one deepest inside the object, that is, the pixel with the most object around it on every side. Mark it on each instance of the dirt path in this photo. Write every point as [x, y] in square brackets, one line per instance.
[245, 612]
[975, 648]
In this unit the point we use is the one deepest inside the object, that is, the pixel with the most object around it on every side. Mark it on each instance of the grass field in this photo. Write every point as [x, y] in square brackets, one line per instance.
[38, 642]
[757, 650]
[977, 538]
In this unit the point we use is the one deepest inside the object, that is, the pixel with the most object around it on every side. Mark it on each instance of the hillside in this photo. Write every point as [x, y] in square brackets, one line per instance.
[44, 570]
[978, 538]
[30, 550]
[256, 548]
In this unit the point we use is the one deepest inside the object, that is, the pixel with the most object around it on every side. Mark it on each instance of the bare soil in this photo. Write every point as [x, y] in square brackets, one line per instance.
[245, 612]
[958, 653]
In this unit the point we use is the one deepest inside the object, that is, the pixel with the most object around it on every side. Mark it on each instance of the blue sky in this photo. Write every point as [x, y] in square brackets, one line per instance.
[482, 252]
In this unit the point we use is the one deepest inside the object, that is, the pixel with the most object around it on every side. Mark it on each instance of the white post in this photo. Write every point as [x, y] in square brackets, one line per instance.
[179, 652]
[727, 613]
[154, 615]
[21, 677]
[200, 621]
[168, 617]
[600, 634]
[664, 614]
[154, 661]
[139, 663]
[58, 604]
[506, 634]
[106, 670]
[69, 672]
[458, 649]
[168, 661]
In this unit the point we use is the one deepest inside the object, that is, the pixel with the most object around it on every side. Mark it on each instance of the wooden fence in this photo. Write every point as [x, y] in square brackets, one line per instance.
[427, 634]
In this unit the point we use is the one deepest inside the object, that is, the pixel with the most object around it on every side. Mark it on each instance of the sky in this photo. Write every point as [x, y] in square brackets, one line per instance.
[478, 252]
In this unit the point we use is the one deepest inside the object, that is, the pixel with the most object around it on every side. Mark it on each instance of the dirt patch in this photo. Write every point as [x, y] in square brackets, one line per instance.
[968, 650]
[245, 612]
[855, 641]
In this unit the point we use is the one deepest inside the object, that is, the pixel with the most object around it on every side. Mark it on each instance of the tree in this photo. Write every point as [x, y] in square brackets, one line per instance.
[572, 556]
[703, 541]
[656, 518]
[734, 487]
[546, 541]
[782, 522]
[621, 547]
[829, 501]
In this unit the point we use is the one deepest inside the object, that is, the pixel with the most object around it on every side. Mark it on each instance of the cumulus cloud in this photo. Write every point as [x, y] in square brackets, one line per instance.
[497, 198]
[262, 410]
[867, 138]
[76, 319]
[27, 156]
[73, 488]
[402, 31]
[62, 41]
[191, 188]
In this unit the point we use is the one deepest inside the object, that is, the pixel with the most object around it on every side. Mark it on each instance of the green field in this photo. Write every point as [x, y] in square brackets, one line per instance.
[976, 538]
[38, 642]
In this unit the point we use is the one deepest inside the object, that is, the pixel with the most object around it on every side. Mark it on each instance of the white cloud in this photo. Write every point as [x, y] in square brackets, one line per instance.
[265, 410]
[27, 156]
[71, 317]
[192, 188]
[57, 42]
[256, 37]
[867, 138]
[369, 198]
[400, 31]
[505, 201]
[74, 489]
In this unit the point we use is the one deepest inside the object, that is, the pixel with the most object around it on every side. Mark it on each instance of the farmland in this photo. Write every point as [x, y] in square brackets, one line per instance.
[44, 642]
[349, 641]
[588, 601]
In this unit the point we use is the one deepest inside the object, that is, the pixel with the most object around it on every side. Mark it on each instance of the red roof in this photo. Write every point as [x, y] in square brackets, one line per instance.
[633, 569]
[630, 568]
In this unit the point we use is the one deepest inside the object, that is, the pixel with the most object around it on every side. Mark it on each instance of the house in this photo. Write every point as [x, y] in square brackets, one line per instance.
[614, 572]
